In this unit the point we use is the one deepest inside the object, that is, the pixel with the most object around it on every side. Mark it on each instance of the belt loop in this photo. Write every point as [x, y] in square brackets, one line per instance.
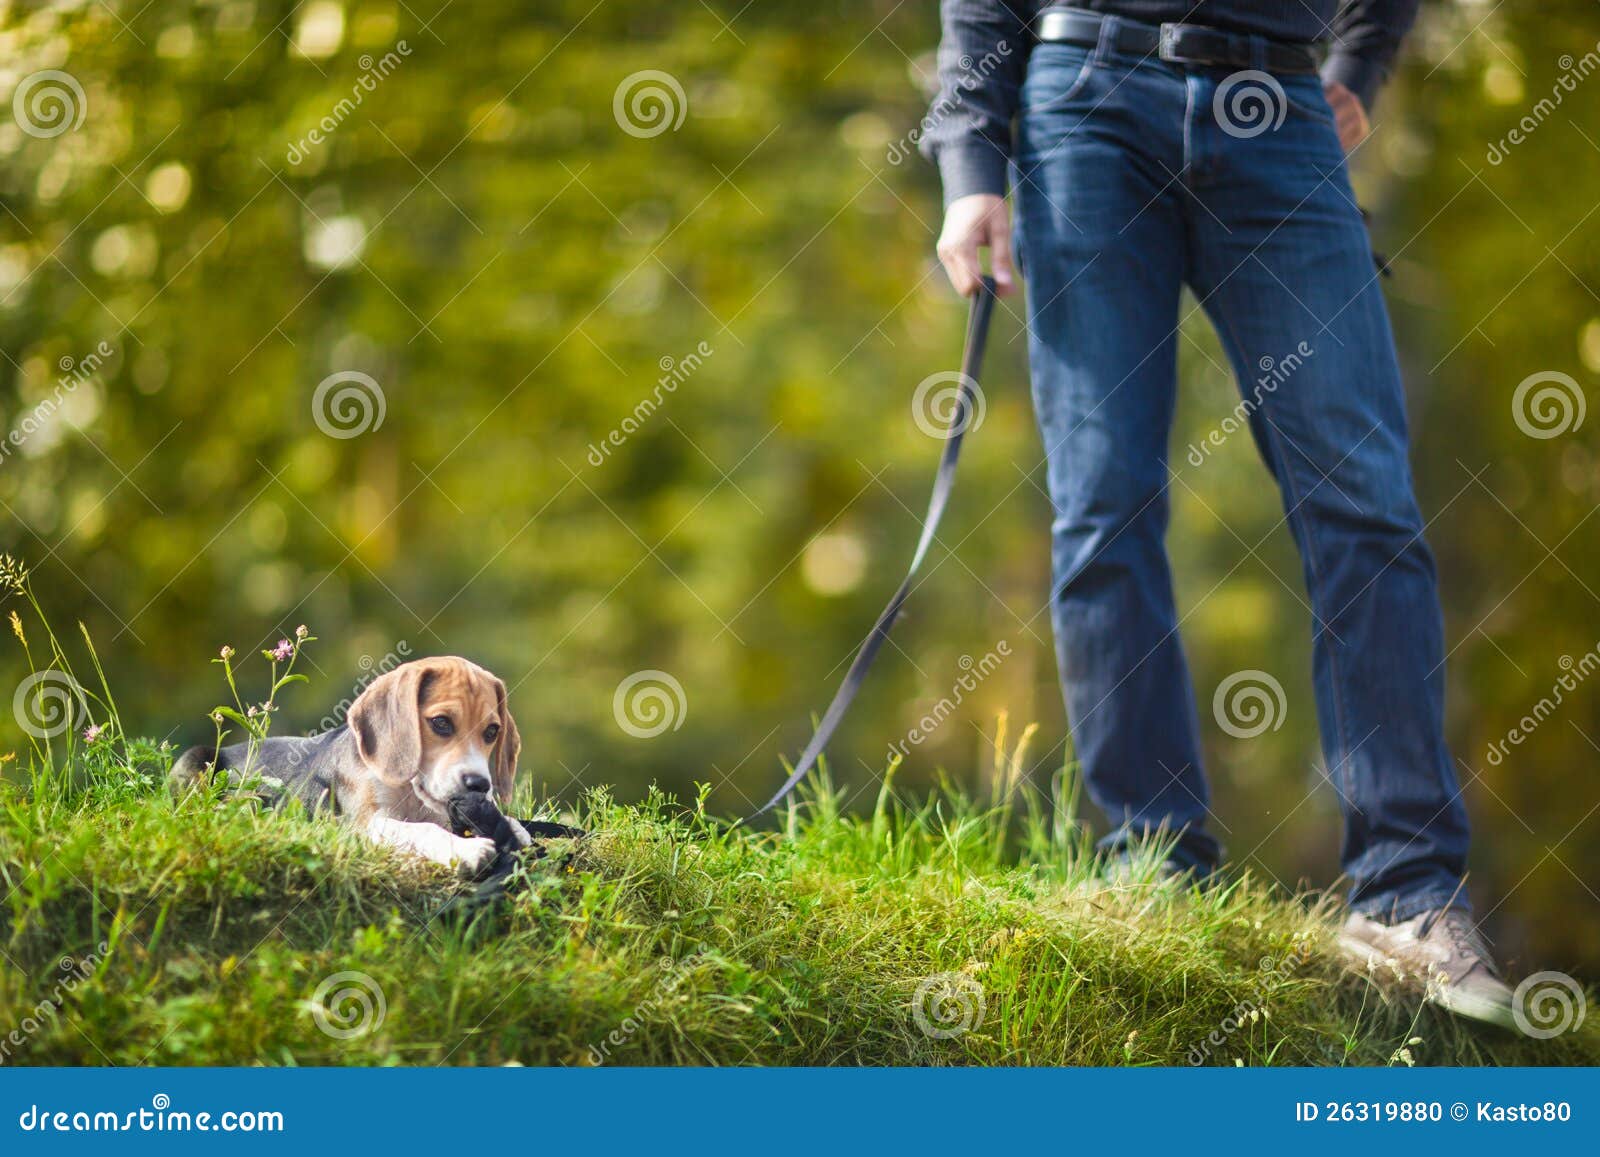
[1258, 53]
[1110, 27]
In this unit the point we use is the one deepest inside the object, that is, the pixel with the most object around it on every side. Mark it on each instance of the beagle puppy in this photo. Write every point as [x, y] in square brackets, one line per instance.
[428, 732]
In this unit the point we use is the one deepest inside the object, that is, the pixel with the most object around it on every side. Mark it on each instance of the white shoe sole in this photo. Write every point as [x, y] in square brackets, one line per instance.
[1454, 1000]
[1358, 951]
[1478, 1008]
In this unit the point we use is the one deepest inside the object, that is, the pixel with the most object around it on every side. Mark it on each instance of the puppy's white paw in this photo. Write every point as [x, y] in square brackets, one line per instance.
[473, 855]
[520, 834]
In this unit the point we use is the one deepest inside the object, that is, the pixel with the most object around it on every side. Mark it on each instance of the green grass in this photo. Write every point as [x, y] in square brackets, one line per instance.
[672, 941]
[139, 929]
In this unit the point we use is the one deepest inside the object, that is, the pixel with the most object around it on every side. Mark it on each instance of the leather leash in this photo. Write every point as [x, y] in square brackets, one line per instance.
[943, 483]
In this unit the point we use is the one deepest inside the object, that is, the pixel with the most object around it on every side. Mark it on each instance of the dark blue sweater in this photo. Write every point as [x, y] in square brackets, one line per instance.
[984, 54]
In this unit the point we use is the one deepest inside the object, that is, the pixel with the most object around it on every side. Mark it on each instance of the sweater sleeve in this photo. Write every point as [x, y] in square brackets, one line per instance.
[1366, 39]
[982, 57]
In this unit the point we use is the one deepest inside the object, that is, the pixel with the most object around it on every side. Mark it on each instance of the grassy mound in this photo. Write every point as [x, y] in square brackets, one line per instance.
[139, 930]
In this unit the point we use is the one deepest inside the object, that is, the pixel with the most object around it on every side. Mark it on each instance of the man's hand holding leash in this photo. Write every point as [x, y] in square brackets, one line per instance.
[980, 221]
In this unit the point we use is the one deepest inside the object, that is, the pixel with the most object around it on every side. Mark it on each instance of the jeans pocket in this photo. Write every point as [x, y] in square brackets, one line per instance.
[1056, 74]
[1303, 97]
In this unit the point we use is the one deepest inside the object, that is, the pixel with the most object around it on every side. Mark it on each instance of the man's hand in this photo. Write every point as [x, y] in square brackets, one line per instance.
[1348, 115]
[980, 221]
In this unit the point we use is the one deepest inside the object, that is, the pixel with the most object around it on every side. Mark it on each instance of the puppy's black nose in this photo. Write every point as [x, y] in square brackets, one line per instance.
[473, 781]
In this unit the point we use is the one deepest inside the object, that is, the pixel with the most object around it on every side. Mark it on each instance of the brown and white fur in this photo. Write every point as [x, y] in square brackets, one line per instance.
[429, 731]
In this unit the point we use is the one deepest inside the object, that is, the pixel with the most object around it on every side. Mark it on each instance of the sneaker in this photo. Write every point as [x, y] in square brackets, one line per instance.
[1444, 948]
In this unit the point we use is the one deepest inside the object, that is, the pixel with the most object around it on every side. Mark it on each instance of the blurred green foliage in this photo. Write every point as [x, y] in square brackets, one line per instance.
[478, 234]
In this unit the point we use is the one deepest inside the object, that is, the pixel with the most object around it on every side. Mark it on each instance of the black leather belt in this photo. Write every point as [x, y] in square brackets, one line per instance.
[1178, 43]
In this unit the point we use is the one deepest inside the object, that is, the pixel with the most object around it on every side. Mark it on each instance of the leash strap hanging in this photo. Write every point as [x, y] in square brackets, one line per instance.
[943, 482]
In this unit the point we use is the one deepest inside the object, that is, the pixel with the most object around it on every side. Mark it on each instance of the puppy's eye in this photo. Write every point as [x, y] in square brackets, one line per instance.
[441, 725]
[491, 733]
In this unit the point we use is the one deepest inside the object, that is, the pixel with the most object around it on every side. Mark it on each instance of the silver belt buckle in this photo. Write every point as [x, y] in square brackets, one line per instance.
[1167, 45]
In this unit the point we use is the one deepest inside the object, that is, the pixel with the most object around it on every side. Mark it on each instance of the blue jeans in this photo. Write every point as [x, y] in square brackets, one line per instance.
[1132, 179]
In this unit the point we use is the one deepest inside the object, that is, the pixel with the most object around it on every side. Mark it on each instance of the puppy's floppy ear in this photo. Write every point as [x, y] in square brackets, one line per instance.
[386, 720]
[504, 769]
